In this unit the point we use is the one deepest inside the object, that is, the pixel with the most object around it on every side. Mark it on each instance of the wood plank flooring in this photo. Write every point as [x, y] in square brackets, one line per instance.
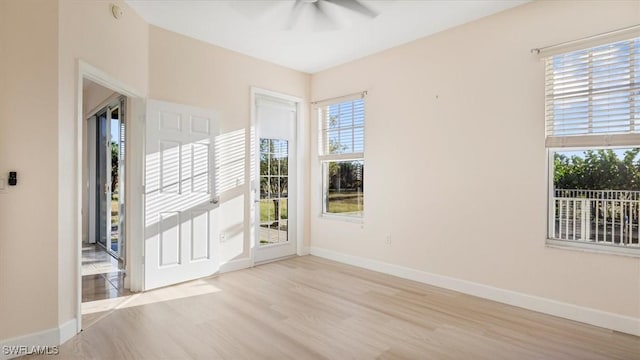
[312, 308]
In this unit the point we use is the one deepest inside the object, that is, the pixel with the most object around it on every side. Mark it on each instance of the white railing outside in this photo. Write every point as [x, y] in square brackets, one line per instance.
[596, 216]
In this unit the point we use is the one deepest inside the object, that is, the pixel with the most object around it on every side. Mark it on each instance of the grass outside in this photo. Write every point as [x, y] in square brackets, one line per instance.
[268, 220]
[268, 210]
[339, 202]
[345, 202]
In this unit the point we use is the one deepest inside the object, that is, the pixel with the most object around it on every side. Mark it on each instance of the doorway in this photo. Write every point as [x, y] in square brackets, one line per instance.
[103, 248]
[276, 187]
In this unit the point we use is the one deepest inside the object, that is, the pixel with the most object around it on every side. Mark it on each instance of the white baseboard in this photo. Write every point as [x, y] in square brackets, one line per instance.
[304, 251]
[68, 330]
[234, 265]
[47, 338]
[586, 315]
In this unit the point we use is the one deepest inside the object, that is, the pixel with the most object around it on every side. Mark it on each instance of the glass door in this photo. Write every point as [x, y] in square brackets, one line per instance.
[275, 179]
[110, 188]
[274, 191]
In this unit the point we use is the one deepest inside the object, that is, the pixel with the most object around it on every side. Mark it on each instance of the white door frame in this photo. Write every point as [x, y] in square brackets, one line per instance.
[90, 204]
[300, 165]
[135, 109]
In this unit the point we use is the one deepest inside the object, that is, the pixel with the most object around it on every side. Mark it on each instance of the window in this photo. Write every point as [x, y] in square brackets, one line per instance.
[593, 138]
[342, 156]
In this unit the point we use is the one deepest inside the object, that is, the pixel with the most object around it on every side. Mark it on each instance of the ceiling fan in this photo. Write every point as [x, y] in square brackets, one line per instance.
[320, 10]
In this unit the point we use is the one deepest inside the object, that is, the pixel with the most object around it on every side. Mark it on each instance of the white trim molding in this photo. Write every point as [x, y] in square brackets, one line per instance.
[236, 264]
[47, 340]
[68, 330]
[304, 250]
[299, 190]
[135, 108]
[582, 314]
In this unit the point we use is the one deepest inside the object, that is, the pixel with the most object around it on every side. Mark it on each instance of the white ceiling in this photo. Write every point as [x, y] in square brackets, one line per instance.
[263, 29]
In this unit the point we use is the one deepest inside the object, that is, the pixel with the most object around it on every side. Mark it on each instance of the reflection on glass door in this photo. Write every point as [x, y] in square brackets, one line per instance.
[102, 180]
[116, 196]
[274, 201]
[110, 179]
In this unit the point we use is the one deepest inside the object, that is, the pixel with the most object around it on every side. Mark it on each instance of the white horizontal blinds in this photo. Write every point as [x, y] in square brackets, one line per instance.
[268, 101]
[342, 130]
[593, 94]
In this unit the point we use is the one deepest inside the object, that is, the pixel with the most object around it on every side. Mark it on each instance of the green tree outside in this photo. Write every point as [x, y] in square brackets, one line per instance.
[598, 170]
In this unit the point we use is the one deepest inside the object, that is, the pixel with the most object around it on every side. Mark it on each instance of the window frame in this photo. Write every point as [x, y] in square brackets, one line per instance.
[324, 159]
[579, 245]
[325, 193]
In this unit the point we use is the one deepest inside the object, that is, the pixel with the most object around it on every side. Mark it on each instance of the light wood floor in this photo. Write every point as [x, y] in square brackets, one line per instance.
[308, 307]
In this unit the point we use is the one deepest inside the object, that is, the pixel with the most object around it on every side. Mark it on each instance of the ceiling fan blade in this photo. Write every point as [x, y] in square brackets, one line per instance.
[354, 5]
[323, 20]
[295, 14]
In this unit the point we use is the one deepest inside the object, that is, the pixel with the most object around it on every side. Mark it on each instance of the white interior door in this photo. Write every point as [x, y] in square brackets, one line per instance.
[181, 206]
[276, 183]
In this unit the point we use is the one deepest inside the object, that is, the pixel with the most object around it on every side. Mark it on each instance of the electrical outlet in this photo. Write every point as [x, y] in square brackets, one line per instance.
[388, 239]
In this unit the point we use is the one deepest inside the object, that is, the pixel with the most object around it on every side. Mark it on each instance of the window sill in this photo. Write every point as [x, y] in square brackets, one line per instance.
[594, 248]
[344, 218]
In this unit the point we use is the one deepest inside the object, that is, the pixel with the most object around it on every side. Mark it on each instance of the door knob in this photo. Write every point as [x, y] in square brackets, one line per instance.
[214, 200]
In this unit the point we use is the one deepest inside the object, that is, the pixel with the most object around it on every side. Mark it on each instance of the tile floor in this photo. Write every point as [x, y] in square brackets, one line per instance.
[102, 284]
[101, 278]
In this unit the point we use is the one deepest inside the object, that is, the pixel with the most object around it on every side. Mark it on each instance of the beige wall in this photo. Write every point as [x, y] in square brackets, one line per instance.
[41, 42]
[119, 48]
[28, 129]
[191, 72]
[455, 158]
[93, 96]
[38, 113]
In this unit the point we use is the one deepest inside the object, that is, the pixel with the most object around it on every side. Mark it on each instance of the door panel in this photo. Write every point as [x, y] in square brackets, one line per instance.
[169, 224]
[181, 207]
[199, 167]
[170, 167]
[200, 230]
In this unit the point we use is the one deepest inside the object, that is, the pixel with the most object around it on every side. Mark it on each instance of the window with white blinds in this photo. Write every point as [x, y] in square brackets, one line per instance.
[341, 152]
[593, 96]
[342, 130]
[592, 137]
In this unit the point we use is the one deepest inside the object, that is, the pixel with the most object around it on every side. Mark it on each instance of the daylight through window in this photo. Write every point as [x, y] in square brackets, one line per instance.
[592, 125]
[342, 156]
